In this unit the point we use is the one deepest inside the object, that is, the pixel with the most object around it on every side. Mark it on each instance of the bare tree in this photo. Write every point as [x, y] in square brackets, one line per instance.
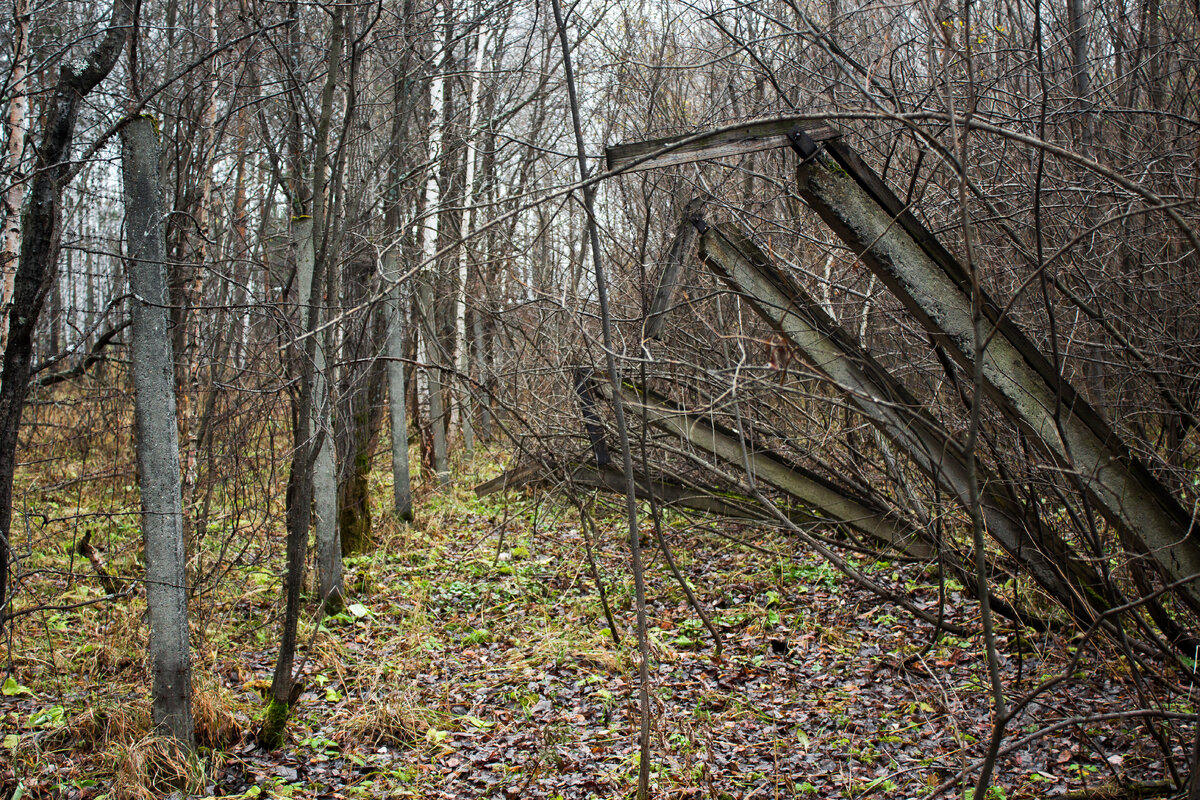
[157, 434]
[37, 266]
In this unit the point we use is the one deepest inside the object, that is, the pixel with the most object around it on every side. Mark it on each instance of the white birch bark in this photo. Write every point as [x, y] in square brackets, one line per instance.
[462, 356]
[425, 304]
[14, 198]
[157, 434]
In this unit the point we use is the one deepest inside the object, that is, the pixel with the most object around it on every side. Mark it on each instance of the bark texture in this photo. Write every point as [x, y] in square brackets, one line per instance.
[157, 433]
[324, 475]
[426, 302]
[37, 266]
[402, 492]
[14, 197]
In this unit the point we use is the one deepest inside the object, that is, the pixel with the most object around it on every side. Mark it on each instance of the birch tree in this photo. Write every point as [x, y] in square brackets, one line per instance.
[14, 197]
[462, 358]
[37, 265]
[430, 345]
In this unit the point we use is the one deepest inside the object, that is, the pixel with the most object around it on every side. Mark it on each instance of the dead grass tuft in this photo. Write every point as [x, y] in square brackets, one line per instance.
[214, 710]
[102, 725]
[330, 652]
[154, 767]
[394, 722]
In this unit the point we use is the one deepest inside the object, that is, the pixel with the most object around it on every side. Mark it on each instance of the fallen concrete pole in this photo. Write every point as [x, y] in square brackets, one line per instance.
[886, 403]
[750, 137]
[716, 502]
[681, 246]
[806, 487]
[936, 289]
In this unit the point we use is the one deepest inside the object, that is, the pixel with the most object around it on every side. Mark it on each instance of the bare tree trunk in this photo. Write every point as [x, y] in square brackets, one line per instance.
[37, 265]
[631, 497]
[299, 514]
[462, 358]
[188, 371]
[325, 506]
[324, 479]
[481, 375]
[426, 306]
[310, 438]
[393, 308]
[402, 492]
[433, 374]
[14, 198]
[157, 434]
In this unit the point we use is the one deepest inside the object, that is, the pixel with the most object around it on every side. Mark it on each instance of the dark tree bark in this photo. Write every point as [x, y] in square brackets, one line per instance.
[307, 234]
[361, 406]
[37, 266]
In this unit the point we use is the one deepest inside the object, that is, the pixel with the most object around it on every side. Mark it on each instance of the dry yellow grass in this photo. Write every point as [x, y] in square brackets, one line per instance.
[154, 767]
[214, 709]
[393, 721]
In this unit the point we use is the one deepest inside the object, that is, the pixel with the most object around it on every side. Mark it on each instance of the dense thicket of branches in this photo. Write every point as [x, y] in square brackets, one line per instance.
[1051, 147]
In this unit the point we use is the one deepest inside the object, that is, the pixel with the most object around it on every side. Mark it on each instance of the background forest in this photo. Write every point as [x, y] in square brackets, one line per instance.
[438, 398]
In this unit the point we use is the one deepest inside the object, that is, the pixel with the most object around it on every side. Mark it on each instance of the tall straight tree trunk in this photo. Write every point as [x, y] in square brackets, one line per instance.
[299, 512]
[37, 265]
[426, 305]
[402, 491]
[309, 437]
[324, 479]
[462, 359]
[430, 354]
[488, 265]
[14, 198]
[362, 375]
[189, 370]
[394, 307]
[157, 434]
[481, 375]
[329, 547]
[360, 404]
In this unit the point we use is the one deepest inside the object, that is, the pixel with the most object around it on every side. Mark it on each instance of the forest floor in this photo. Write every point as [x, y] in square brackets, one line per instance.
[474, 660]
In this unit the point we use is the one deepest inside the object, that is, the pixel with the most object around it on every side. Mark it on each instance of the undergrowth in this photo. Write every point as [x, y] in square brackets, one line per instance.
[473, 659]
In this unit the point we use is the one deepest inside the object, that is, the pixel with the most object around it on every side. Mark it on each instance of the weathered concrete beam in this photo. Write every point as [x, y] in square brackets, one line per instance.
[672, 493]
[749, 138]
[681, 246]
[885, 402]
[936, 289]
[805, 486]
[591, 420]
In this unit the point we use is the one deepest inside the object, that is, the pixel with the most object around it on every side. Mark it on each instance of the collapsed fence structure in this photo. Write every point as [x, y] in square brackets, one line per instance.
[1081, 529]
[945, 319]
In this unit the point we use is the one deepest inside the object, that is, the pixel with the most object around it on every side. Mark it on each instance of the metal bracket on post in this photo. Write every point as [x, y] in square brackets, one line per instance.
[803, 144]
